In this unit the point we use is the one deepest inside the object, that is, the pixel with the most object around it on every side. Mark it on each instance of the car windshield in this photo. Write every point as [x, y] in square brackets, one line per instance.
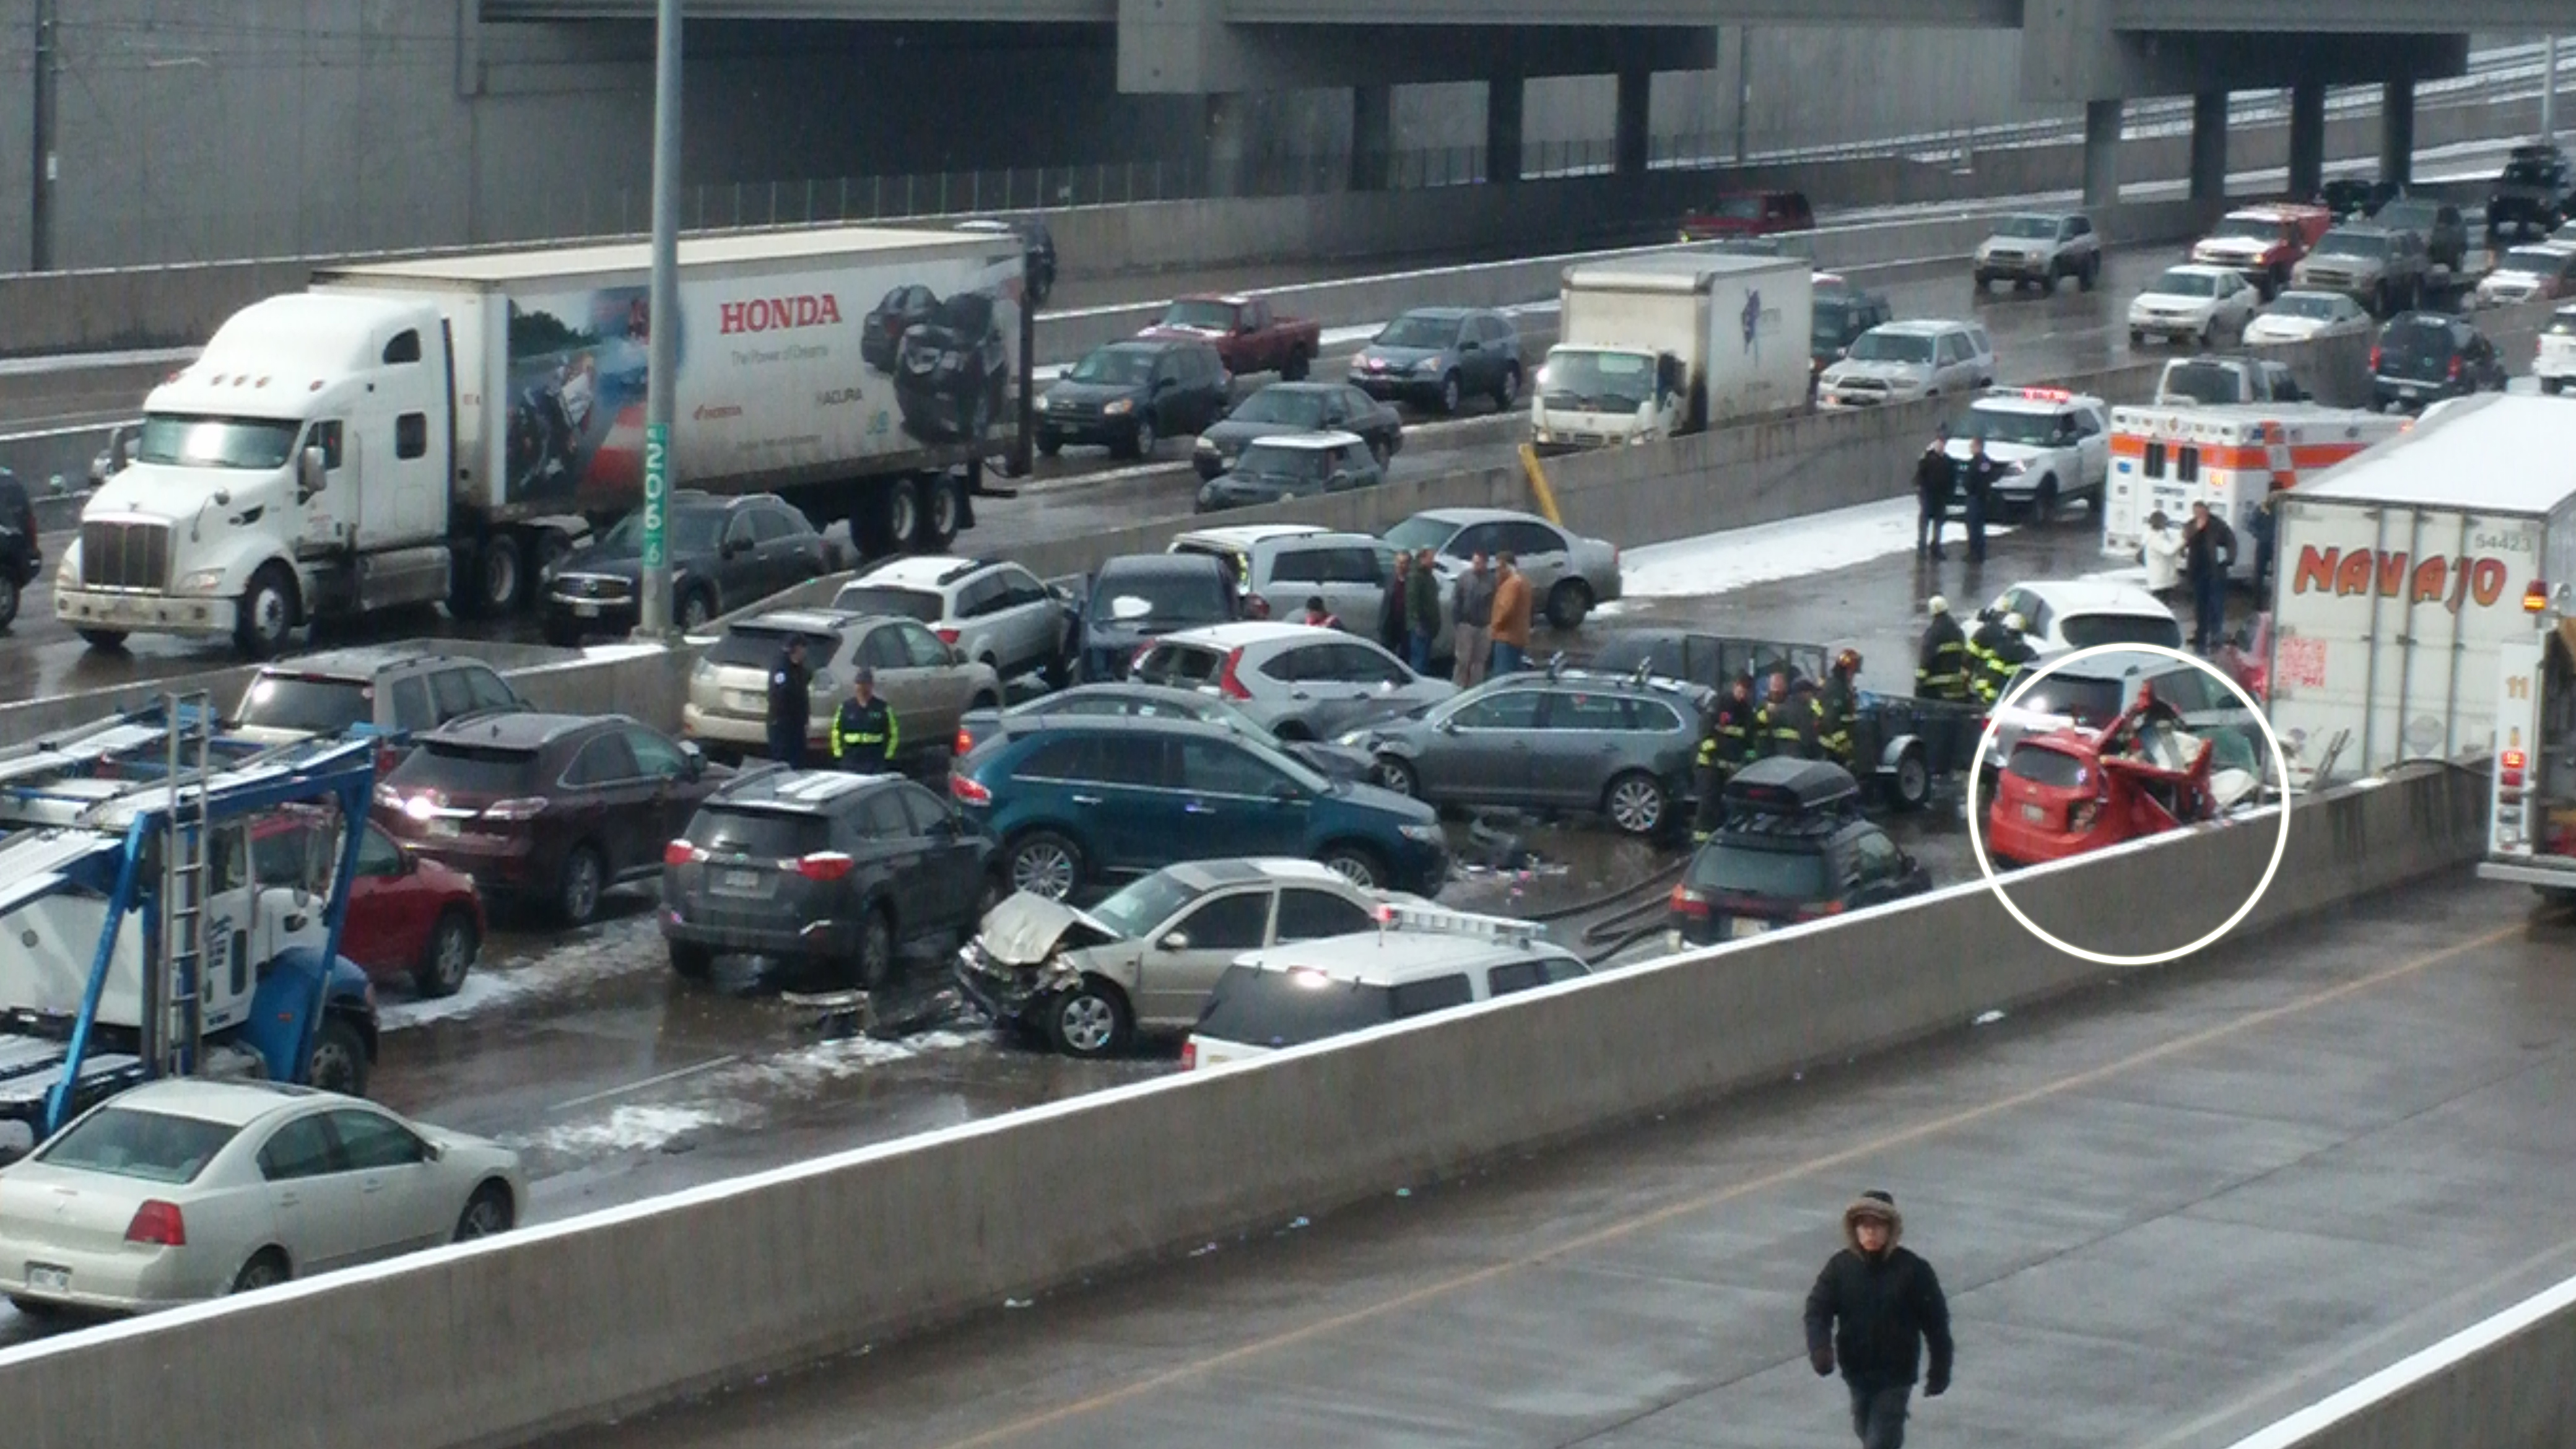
[1142, 905]
[758, 646]
[2537, 261]
[130, 1142]
[1296, 407]
[2003, 425]
[1268, 461]
[2047, 765]
[2086, 700]
[2029, 228]
[779, 834]
[2322, 306]
[1289, 1008]
[2246, 228]
[1835, 322]
[1418, 329]
[685, 531]
[1159, 598]
[1207, 316]
[2083, 631]
[920, 605]
[1604, 381]
[1787, 872]
[317, 706]
[2419, 215]
[2353, 244]
[191, 440]
[467, 770]
[2179, 283]
[2563, 325]
[1120, 366]
[2530, 171]
[1884, 346]
[1421, 531]
[1742, 206]
[2206, 382]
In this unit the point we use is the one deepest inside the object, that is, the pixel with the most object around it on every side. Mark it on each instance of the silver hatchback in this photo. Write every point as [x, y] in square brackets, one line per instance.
[1298, 681]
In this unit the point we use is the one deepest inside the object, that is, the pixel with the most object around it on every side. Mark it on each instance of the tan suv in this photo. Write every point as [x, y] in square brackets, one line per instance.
[929, 687]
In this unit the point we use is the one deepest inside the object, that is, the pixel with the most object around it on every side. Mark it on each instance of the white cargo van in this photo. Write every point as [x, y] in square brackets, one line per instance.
[2401, 578]
[1657, 346]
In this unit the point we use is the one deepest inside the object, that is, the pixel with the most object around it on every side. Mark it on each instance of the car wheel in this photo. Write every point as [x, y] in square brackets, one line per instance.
[876, 950]
[8, 600]
[1383, 451]
[1357, 864]
[1913, 780]
[1141, 443]
[2551, 385]
[902, 512]
[1050, 444]
[113, 639]
[1294, 369]
[1395, 775]
[2209, 334]
[1449, 396]
[1985, 286]
[1567, 603]
[2043, 504]
[1046, 864]
[2090, 275]
[267, 613]
[452, 945]
[1091, 1020]
[2137, 338]
[695, 611]
[578, 886]
[939, 514]
[500, 575]
[1508, 391]
[1636, 803]
[266, 1269]
[486, 1212]
[339, 1062]
[563, 633]
[690, 961]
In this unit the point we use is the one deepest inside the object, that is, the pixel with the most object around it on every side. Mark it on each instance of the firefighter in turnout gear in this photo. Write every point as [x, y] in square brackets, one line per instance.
[864, 732]
[1789, 721]
[1995, 651]
[1838, 709]
[1725, 749]
[1941, 666]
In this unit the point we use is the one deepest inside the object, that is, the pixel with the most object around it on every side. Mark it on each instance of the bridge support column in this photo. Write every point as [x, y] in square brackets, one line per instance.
[2209, 146]
[1372, 138]
[1229, 151]
[2307, 139]
[1503, 97]
[2101, 153]
[2397, 131]
[1636, 90]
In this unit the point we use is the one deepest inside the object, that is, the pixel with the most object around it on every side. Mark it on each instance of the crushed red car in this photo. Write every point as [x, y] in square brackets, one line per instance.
[2072, 791]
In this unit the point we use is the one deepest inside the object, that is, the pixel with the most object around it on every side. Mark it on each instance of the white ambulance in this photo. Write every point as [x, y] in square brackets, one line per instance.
[2228, 456]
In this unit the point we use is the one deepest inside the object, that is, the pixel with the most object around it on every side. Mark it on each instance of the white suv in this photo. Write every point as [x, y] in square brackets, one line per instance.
[2037, 249]
[2054, 445]
[993, 613]
[1898, 362]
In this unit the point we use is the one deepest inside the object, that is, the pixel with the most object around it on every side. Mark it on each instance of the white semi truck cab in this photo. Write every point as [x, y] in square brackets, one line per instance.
[301, 466]
[1591, 395]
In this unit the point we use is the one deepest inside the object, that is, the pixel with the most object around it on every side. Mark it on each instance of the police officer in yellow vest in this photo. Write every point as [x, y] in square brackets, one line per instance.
[864, 731]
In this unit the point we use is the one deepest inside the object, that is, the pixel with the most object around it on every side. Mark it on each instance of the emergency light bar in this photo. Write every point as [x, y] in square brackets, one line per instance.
[1443, 921]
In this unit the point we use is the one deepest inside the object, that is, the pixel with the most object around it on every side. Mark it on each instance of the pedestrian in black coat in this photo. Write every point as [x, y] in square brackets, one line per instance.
[1977, 480]
[1873, 1311]
[2208, 554]
[1936, 480]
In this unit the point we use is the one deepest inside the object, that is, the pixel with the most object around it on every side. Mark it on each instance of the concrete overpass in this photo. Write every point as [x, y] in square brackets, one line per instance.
[2096, 52]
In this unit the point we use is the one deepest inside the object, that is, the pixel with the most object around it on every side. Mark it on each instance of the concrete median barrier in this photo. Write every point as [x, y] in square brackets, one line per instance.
[603, 1315]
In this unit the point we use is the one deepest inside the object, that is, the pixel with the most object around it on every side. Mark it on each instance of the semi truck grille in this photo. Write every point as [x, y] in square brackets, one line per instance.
[118, 555]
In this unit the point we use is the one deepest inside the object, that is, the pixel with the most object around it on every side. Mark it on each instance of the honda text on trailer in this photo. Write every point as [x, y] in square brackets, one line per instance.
[146, 938]
[435, 429]
[2400, 586]
[2232, 456]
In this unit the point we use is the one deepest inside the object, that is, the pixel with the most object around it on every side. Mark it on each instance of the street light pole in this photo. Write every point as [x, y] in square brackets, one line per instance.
[661, 389]
[2549, 90]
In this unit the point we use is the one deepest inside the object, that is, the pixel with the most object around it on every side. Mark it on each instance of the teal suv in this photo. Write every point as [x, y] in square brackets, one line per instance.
[1077, 800]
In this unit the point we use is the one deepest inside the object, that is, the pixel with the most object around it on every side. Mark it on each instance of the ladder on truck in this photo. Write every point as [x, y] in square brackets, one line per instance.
[173, 997]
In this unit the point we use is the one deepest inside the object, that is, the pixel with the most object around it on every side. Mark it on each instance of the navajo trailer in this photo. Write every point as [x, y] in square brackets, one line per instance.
[429, 430]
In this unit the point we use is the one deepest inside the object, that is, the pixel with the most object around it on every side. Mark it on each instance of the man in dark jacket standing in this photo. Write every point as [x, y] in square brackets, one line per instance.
[1422, 610]
[1936, 479]
[790, 710]
[1874, 1308]
[1977, 480]
[1472, 640]
[1390, 607]
[2208, 552]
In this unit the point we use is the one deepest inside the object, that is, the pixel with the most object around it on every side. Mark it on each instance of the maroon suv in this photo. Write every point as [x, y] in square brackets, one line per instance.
[546, 808]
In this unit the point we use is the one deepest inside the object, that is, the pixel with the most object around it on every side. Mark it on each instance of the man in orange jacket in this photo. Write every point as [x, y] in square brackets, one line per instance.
[1511, 618]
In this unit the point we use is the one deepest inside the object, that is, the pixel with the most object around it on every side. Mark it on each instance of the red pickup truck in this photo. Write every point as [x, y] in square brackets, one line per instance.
[1244, 333]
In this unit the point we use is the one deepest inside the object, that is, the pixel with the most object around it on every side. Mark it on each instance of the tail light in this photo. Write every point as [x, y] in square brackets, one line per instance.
[824, 865]
[158, 1222]
[947, 637]
[1228, 683]
[526, 808]
[2455, 368]
[1688, 902]
[681, 852]
[2509, 768]
[1819, 911]
[386, 758]
[2375, 353]
[960, 745]
[1189, 1055]
[2535, 599]
[969, 790]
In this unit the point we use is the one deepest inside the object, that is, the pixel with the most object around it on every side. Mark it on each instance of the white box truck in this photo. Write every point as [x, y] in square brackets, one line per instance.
[421, 430]
[2401, 577]
[1656, 346]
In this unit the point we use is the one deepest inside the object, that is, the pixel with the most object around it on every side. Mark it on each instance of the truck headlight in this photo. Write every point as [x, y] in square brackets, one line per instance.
[203, 581]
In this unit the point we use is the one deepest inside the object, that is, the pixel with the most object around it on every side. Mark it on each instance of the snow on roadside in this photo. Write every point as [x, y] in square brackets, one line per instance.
[618, 948]
[1716, 563]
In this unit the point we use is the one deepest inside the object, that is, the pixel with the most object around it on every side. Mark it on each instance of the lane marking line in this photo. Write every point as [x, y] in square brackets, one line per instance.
[671, 1076]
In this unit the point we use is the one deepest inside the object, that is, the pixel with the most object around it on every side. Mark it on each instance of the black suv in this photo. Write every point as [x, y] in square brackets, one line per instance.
[1794, 847]
[724, 553]
[824, 868]
[2532, 194]
[1138, 597]
[1842, 312]
[952, 373]
[20, 557]
[1129, 394]
[2424, 357]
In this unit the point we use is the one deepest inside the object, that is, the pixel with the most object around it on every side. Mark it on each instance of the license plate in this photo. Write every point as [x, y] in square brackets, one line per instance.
[739, 880]
[46, 1277]
[742, 700]
[442, 829]
[2033, 813]
[586, 609]
[1741, 927]
[2408, 393]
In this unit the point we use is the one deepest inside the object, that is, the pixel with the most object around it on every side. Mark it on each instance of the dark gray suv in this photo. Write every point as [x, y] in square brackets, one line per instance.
[1438, 357]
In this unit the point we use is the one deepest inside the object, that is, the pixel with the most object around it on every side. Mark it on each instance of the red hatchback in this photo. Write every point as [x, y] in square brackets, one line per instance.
[409, 916]
[2073, 791]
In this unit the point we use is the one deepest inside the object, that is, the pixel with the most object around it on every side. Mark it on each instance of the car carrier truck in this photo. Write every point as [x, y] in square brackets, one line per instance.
[1658, 346]
[425, 430]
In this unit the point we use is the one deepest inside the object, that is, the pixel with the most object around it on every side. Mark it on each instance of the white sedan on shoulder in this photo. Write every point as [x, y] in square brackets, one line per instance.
[187, 1189]
[2193, 303]
[2060, 614]
[2307, 316]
